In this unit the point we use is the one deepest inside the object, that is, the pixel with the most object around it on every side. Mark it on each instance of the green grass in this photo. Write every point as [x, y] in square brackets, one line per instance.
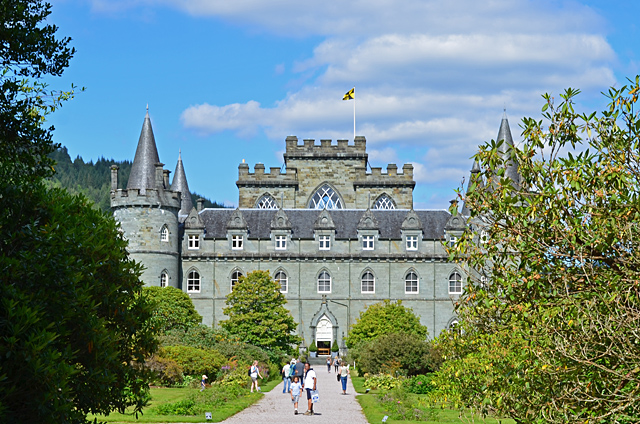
[161, 396]
[374, 411]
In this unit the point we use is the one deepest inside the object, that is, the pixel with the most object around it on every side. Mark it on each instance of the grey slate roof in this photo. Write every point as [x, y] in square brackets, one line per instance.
[346, 222]
[180, 184]
[143, 169]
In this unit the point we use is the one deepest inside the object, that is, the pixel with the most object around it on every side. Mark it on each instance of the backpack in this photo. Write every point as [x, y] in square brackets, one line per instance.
[249, 372]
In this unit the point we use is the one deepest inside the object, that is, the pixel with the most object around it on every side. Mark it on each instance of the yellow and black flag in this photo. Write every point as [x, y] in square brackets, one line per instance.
[351, 94]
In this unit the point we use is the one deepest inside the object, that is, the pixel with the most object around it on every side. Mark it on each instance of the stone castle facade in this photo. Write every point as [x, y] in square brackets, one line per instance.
[336, 237]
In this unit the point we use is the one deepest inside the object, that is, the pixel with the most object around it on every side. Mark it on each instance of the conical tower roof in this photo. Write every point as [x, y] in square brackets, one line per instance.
[473, 178]
[180, 184]
[504, 135]
[143, 171]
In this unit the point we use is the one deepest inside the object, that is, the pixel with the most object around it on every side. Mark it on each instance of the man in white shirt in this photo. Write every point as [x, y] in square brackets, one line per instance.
[310, 385]
[286, 379]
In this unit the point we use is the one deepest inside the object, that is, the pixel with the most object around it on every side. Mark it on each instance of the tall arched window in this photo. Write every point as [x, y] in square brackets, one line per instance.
[267, 202]
[324, 282]
[235, 278]
[411, 283]
[281, 278]
[164, 233]
[384, 202]
[325, 198]
[455, 283]
[368, 283]
[193, 282]
[164, 279]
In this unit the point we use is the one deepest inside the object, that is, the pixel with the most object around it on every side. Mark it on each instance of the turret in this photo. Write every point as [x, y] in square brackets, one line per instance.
[506, 149]
[180, 184]
[148, 213]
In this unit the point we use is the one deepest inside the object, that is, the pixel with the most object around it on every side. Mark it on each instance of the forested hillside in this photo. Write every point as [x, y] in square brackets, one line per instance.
[94, 179]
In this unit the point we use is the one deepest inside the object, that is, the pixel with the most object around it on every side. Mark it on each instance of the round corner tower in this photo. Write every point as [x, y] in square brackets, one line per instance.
[147, 211]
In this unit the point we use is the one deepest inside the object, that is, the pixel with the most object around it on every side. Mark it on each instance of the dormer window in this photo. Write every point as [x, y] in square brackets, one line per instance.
[237, 242]
[368, 242]
[411, 243]
[193, 241]
[281, 242]
[324, 242]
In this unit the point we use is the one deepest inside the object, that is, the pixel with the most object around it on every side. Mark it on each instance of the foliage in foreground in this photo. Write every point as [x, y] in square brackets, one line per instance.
[553, 336]
[257, 314]
[385, 318]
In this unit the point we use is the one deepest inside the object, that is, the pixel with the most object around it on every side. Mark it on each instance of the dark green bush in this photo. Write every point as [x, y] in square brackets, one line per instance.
[168, 372]
[419, 384]
[396, 354]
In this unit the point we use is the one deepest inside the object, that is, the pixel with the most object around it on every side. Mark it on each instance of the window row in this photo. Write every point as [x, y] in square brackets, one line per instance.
[324, 282]
[280, 242]
[325, 197]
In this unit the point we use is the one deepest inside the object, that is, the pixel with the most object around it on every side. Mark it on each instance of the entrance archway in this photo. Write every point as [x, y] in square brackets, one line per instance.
[324, 335]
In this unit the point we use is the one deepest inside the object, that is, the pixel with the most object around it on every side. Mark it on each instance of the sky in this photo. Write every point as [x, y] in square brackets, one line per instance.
[229, 80]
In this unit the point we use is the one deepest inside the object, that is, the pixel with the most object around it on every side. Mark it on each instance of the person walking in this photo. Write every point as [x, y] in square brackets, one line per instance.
[329, 364]
[295, 389]
[336, 364]
[310, 385]
[286, 378]
[254, 373]
[344, 373]
[203, 382]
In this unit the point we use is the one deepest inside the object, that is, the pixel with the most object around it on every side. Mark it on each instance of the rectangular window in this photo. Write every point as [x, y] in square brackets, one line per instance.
[194, 241]
[325, 242]
[367, 242]
[281, 242]
[412, 243]
[452, 241]
[236, 242]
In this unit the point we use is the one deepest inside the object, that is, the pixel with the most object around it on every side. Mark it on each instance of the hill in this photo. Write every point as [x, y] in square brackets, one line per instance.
[94, 179]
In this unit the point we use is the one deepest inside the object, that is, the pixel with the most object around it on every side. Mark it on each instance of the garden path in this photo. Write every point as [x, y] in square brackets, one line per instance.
[276, 407]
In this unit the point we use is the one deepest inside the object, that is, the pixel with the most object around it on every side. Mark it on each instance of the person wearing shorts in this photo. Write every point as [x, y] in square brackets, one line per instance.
[296, 386]
[254, 374]
[310, 381]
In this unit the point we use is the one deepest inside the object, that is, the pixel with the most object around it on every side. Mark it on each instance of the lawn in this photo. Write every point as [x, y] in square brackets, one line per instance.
[375, 412]
[161, 396]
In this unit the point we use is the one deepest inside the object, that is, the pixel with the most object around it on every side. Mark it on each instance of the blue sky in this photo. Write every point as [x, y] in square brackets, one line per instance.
[227, 80]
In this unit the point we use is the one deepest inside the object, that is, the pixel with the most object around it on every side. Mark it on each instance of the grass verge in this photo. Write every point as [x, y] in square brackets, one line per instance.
[375, 411]
[161, 396]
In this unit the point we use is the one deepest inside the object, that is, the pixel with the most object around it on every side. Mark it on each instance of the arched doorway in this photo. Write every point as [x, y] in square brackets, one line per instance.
[324, 335]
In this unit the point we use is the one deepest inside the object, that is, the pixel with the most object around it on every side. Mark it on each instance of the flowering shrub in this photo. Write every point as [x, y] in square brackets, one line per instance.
[382, 381]
[420, 384]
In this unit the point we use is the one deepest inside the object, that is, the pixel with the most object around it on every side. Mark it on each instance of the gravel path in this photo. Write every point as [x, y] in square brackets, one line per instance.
[276, 407]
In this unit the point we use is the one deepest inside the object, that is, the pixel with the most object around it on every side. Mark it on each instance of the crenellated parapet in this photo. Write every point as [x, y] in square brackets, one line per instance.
[326, 149]
[133, 197]
[260, 178]
[391, 178]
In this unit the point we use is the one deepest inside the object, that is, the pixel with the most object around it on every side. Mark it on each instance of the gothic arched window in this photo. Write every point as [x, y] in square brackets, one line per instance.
[267, 202]
[281, 277]
[193, 282]
[164, 233]
[325, 198]
[235, 278]
[164, 279]
[455, 283]
[324, 282]
[368, 283]
[384, 202]
[411, 282]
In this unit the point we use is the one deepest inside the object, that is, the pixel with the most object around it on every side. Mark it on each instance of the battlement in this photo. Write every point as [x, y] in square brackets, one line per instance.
[377, 178]
[326, 148]
[166, 199]
[272, 178]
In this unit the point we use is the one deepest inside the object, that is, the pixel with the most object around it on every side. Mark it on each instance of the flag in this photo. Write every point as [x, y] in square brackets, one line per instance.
[350, 95]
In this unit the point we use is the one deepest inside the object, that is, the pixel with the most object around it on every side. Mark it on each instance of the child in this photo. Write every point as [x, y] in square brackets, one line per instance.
[296, 386]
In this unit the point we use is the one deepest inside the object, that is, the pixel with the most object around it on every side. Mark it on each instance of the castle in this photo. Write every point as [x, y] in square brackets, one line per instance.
[336, 237]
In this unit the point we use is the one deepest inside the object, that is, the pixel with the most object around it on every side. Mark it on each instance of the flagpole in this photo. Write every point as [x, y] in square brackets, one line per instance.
[354, 113]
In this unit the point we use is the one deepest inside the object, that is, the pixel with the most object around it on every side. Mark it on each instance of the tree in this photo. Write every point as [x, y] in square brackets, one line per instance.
[73, 326]
[552, 335]
[173, 309]
[257, 314]
[385, 318]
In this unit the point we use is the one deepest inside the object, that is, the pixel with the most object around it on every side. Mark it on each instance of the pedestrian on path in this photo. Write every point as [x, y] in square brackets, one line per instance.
[203, 382]
[254, 373]
[310, 385]
[296, 386]
[286, 377]
[344, 373]
[336, 364]
[328, 365]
